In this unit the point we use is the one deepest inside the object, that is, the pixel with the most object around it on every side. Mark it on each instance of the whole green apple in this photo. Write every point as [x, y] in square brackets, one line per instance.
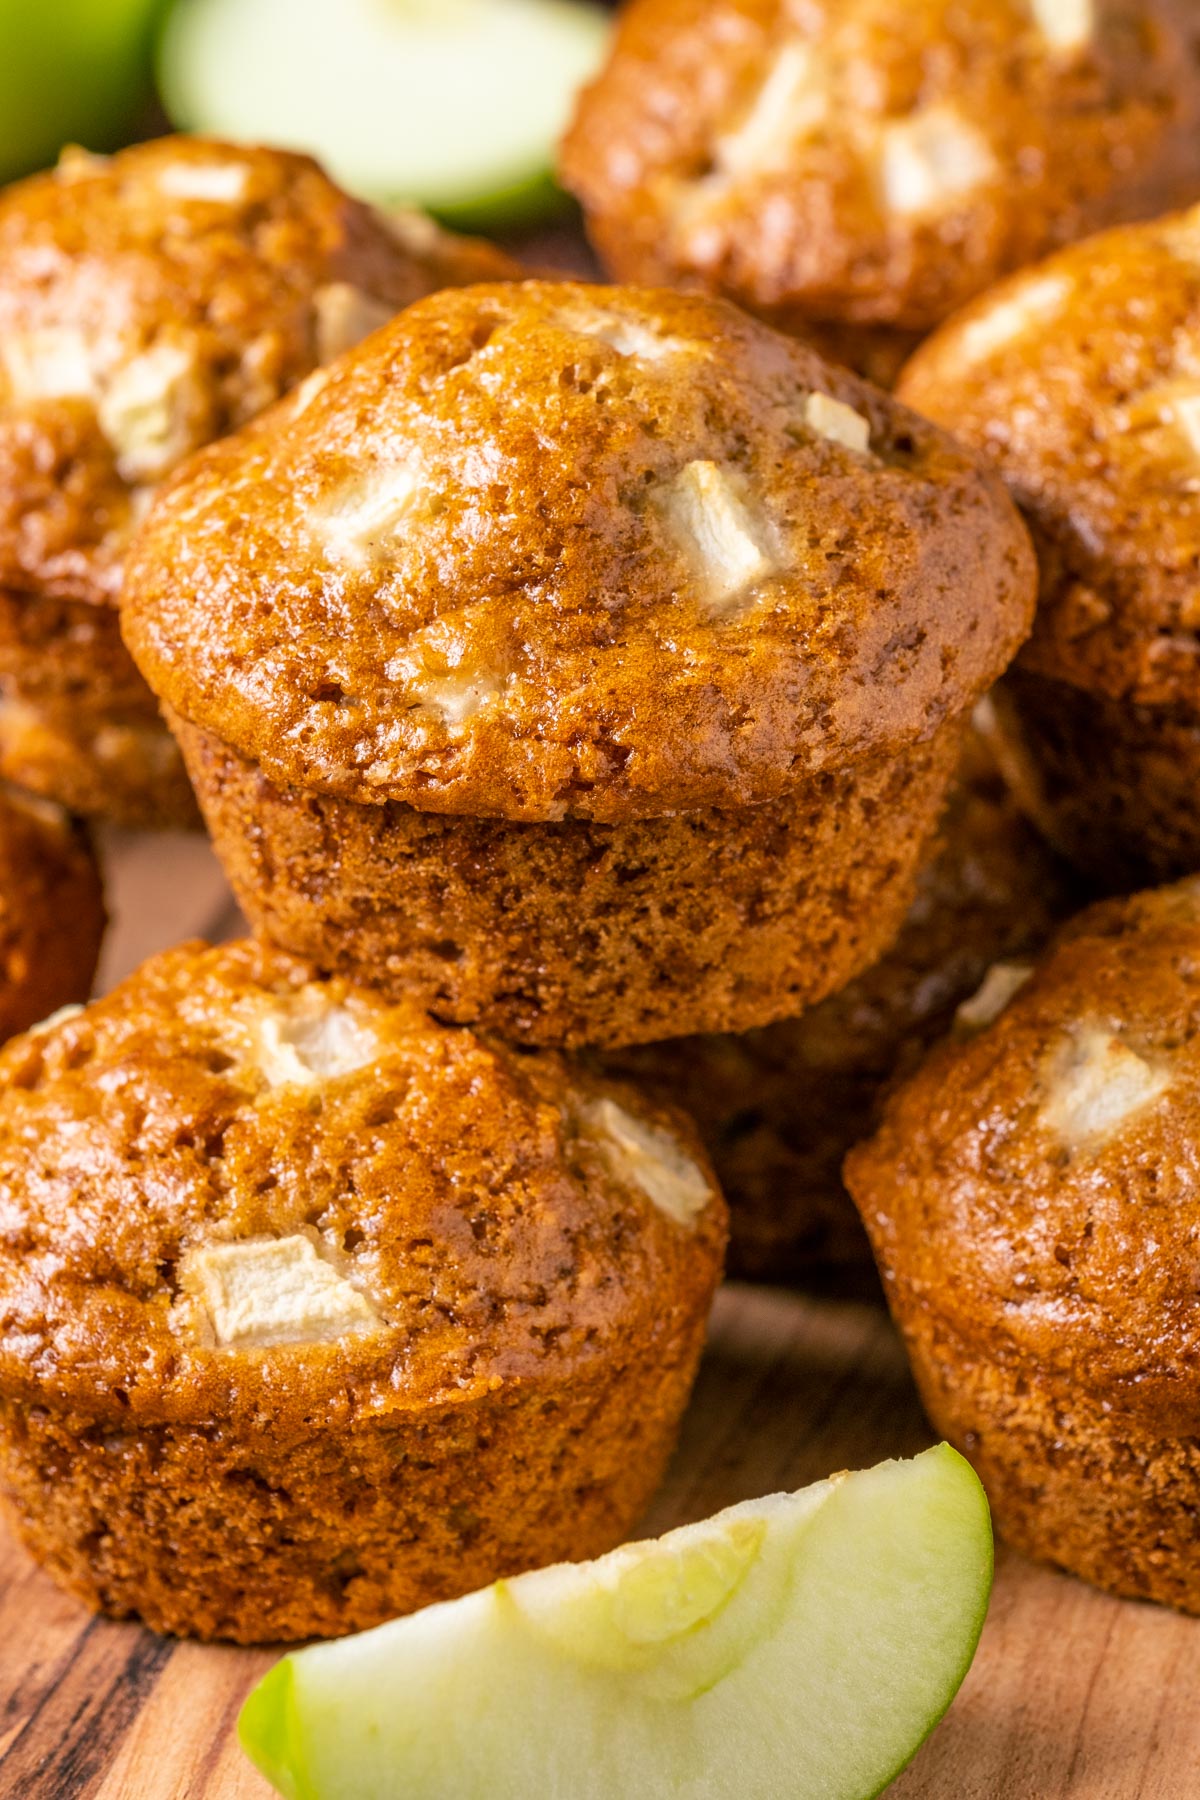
[71, 71]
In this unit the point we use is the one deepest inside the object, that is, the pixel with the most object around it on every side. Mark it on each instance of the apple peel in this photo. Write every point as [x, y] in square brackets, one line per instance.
[803, 1644]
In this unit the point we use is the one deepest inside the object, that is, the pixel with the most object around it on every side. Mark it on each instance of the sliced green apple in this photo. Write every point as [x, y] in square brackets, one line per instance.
[802, 1646]
[77, 71]
[455, 105]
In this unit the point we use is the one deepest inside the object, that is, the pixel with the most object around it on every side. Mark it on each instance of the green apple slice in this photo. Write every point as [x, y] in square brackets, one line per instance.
[802, 1646]
[74, 72]
[454, 105]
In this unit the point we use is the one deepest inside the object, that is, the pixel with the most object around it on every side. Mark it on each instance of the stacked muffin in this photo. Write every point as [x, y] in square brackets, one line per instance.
[588, 664]
[149, 303]
[559, 667]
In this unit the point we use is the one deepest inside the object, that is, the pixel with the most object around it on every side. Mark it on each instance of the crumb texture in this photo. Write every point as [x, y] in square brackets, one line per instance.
[336, 1189]
[576, 932]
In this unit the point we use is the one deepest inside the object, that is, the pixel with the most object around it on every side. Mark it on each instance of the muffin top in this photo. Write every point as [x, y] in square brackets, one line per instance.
[231, 1191]
[1036, 1185]
[1080, 380]
[864, 161]
[51, 910]
[154, 300]
[544, 549]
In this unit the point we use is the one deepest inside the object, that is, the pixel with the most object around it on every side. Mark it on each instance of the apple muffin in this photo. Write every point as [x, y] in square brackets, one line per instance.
[1080, 381]
[858, 170]
[52, 914]
[1031, 1199]
[778, 1108]
[587, 663]
[150, 302]
[313, 1311]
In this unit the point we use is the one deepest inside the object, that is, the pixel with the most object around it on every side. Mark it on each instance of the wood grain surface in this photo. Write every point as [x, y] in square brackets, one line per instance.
[1071, 1694]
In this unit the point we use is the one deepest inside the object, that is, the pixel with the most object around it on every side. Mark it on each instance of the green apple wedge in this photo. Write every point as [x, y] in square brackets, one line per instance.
[799, 1647]
[75, 71]
[454, 105]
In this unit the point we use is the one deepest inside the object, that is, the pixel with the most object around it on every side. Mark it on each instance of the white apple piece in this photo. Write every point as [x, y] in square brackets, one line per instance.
[800, 1645]
[454, 105]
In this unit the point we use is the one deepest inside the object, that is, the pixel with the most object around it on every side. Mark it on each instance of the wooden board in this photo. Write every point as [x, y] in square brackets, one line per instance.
[1071, 1694]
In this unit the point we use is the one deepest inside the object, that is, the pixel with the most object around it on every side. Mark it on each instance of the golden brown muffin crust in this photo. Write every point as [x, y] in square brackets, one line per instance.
[154, 300]
[1033, 1190]
[547, 550]
[497, 1215]
[1080, 381]
[863, 161]
[51, 912]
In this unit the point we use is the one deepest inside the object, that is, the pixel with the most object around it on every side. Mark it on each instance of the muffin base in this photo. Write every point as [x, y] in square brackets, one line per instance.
[877, 351]
[1111, 785]
[779, 1108]
[52, 915]
[791, 1220]
[204, 1533]
[1090, 1490]
[575, 932]
[78, 725]
[777, 1130]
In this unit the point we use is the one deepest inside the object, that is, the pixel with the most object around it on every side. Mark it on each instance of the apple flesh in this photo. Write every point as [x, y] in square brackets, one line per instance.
[801, 1645]
[453, 105]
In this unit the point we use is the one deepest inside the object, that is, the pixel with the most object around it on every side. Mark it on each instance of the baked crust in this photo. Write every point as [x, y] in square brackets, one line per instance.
[865, 163]
[1031, 1202]
[78, 725]
[1078, 381]
[559, 551]
[779, 1108]
[51, 912]
[512, 1260]
[159, 298]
